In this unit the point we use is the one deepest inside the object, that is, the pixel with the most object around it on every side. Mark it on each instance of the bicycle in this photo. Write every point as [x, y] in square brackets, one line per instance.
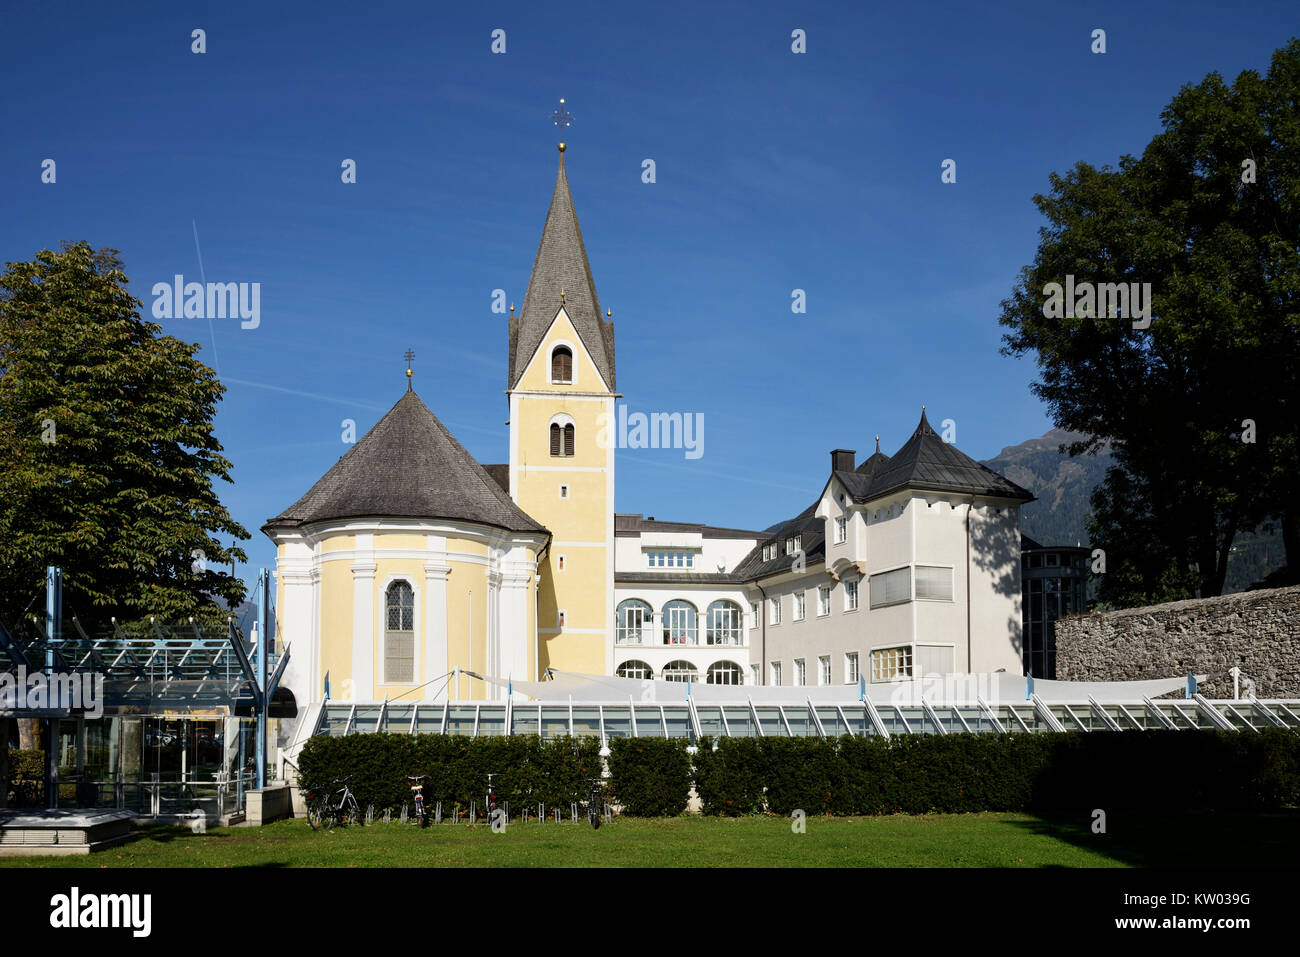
[593, 804]
[323, 811]
[417, 788]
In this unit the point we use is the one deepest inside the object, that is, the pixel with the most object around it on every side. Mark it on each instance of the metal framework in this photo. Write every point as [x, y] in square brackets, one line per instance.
[689, 719]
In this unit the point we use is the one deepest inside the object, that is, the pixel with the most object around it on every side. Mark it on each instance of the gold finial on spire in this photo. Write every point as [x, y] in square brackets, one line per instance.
[561, 147]
[409, 356]
[512, 309]
[561, 297]
[877, 443]
[609, 313]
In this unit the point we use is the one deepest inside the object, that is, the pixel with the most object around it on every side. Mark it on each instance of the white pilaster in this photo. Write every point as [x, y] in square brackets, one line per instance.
[435, 625]
[363, 630]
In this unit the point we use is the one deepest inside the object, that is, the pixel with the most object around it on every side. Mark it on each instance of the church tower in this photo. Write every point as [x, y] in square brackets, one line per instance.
[561, 391]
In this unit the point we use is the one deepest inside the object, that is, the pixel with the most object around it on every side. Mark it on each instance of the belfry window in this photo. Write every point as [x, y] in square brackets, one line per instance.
[562, 364]
[562, 438]
[399, 634]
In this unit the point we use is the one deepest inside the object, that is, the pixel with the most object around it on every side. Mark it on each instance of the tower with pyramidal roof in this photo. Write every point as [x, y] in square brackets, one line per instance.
[561, 390]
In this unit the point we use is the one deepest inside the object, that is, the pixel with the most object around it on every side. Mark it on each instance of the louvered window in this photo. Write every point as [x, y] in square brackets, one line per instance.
[399, 634]
[562, 365]
[562, 437]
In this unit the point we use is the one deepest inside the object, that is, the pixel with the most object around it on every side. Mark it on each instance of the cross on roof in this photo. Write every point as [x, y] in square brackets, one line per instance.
[562, 117]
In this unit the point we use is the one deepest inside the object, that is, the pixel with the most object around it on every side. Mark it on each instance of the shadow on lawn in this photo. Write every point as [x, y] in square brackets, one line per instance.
[1186, 839]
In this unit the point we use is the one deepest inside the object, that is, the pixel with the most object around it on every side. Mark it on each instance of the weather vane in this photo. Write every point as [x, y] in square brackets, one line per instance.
[562, 118]
[409, 356]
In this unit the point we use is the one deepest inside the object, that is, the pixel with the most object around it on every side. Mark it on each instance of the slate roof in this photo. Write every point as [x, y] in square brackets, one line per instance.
[928, 462]
[627, 524]
[675, 578]
[925, 461]
[812, 532]
[561, 265]
[500, 474]
[407, 466]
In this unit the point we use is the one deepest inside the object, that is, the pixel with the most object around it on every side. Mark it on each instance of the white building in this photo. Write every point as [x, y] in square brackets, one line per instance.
[903, 566]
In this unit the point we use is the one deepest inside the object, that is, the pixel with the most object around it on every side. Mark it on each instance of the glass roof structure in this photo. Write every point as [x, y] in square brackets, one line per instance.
[687, 719]
[154, 671]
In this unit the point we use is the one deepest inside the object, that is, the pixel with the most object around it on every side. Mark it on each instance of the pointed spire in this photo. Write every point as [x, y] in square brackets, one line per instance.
[561, 277]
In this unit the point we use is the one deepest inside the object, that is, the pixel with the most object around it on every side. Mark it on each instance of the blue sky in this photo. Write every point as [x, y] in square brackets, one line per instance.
[775, 171]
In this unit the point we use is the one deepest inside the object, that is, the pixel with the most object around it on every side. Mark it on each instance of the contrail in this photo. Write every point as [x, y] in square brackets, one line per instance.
[216, 360]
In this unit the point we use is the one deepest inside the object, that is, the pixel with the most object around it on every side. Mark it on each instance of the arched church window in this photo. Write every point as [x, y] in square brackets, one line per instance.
[562, 364]
[562, 439]
[399, 634]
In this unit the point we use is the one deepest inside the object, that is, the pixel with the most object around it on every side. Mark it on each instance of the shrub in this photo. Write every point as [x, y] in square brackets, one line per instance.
[525, 769]
[650, 777]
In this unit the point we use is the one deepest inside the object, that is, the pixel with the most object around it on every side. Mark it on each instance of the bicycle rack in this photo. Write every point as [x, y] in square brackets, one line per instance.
[573, 810]
[473, 809]
[541, 813]
[403, 817]
[437, 812]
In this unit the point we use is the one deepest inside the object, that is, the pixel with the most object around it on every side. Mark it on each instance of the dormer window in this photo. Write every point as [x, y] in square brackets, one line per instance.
[797, 541]
[562, 365]
[841, 530]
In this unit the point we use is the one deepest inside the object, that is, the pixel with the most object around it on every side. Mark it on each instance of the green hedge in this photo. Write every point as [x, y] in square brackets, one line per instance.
[526, 771]
[650, 777]
[911, 774]
[1048, 773]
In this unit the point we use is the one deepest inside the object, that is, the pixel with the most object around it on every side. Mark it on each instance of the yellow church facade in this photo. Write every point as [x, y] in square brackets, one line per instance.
[408, 563]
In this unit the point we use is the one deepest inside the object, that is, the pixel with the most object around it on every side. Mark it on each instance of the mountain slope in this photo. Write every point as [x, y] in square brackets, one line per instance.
[1064, 488]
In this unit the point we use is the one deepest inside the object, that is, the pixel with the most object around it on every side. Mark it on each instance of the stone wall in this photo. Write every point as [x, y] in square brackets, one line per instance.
[1258, 631]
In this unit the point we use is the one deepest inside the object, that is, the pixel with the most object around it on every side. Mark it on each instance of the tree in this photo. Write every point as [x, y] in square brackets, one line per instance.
[1201, 406]
[107, 456]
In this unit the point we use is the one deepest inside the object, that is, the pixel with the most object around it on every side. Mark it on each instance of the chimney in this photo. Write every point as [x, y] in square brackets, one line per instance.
[842, 460]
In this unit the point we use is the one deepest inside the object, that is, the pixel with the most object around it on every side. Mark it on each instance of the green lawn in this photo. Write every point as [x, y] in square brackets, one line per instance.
[939, 840]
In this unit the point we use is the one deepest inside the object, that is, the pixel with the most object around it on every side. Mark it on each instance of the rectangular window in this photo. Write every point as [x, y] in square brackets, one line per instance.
[776, 610]
[824, 670]
[561, 563]
[888, 664]
[841, 530]
[753, 670]
[564, 491]
[850, 596]
[933, 583]
[888, 588]
[799, 672]
[824, 600]
[753, 610]
[851, 668]
[798, 605]
[798, 543]
[776, 673]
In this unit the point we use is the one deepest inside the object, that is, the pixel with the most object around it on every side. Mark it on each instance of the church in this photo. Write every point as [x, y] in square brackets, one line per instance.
[409, 568]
